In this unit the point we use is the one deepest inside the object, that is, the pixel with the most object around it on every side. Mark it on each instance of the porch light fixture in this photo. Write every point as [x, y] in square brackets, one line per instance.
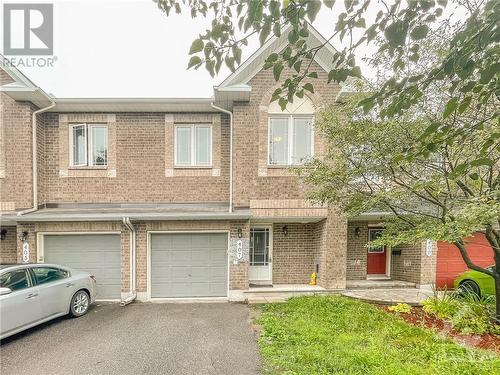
[285, 231]
[3, 234]
[240, 233]
[357, 231]
[23, 236]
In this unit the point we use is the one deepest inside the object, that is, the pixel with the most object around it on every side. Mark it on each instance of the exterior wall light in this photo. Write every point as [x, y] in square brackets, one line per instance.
[240, 233]
[3, 234]
[285, 231]
[23, 236]
[357, 231]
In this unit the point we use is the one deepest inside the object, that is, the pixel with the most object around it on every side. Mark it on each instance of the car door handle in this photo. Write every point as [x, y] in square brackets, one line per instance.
[31, 295]
[69, 285]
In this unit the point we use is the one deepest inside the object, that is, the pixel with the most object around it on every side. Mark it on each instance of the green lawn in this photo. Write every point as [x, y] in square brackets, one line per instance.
[337, 335]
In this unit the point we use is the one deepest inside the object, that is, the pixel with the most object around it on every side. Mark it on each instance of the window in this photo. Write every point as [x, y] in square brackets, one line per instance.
[193, 145]
[259, 247]
[290, 140]
[15, 280]
[88, 145]
[48, 274]
[373, 234]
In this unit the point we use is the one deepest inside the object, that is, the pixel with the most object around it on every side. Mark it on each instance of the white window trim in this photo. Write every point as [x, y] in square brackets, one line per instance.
[371, 250]
[193, 164]
[290, 134]
[88, 162]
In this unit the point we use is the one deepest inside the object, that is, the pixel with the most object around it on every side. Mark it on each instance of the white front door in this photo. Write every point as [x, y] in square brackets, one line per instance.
[260, 271]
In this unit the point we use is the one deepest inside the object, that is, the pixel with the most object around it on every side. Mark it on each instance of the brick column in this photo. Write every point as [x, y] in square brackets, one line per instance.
[332, 250]
[238, 268]
[30, 228]
[414, 264]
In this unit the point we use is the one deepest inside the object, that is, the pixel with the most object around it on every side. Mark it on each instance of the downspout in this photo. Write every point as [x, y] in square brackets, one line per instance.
[133, 293]
[35, 159]
[230, 152]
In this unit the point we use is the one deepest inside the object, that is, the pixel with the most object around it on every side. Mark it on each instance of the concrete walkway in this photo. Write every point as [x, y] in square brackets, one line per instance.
[411, 296]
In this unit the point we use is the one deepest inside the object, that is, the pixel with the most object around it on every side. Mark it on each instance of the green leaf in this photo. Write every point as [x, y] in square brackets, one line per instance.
[282, 103]
[450, 107]
[312, 9]
[313, 75]
[464, 105]
[396, 32]
[309, 87]
[419, 32]
[195, 60]
[277, 71]
[196, 46]
[272, 57]
[482, 161]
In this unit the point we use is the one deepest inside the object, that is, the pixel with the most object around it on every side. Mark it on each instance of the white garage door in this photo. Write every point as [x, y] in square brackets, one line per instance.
[188, 265]
[98, 254]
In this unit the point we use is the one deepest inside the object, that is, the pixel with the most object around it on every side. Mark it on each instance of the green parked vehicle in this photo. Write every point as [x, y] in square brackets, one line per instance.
[475, 282]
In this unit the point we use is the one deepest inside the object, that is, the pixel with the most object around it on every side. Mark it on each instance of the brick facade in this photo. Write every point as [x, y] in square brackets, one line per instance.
[16, 177]
[8, 246]
[141, 169]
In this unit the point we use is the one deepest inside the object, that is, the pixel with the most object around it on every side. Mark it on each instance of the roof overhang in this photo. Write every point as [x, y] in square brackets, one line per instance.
[22, 88]
[133, 105]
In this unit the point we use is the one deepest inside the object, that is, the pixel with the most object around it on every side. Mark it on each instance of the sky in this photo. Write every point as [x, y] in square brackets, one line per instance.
[129, 48]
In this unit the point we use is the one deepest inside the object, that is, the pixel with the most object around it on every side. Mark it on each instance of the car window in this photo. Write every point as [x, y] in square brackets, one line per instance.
[45, 275]
[15, 280]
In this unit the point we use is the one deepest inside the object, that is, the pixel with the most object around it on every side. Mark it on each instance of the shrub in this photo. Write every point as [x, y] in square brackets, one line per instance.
[442, 304]
[475, 315]
[402, 308]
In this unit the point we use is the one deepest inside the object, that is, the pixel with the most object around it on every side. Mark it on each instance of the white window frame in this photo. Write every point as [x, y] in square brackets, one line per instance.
[193, 163]
[375, 250]
[88, 144]
[290, 139]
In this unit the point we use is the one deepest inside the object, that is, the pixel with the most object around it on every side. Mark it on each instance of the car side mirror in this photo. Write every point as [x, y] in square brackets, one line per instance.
[4, 291]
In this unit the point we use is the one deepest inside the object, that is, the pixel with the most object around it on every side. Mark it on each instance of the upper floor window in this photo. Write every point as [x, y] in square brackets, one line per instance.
[291, 140]
[88, 145]
[193, 145]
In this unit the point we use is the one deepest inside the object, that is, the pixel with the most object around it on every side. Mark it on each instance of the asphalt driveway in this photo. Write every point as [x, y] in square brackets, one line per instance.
[203, 338]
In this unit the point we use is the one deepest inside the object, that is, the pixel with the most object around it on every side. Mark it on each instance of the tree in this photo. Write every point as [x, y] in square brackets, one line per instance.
[424, 144]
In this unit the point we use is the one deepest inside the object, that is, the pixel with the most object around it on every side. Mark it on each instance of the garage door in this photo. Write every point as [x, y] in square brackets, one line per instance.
[450, 263]
[188, 265]
[96, 253]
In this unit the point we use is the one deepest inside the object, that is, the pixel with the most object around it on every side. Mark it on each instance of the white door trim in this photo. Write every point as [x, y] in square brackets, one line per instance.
[270, 227]
[148, 265]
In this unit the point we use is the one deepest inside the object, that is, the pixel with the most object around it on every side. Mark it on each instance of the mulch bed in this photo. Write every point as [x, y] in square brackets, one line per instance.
[420, 318]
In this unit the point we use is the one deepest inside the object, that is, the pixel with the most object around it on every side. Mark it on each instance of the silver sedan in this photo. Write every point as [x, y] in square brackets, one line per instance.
[31, 294]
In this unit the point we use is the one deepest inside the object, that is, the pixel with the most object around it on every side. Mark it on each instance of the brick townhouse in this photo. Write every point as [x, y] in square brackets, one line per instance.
[183, 198]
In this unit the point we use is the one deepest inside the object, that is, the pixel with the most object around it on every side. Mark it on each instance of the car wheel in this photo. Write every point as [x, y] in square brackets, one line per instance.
[80, 304]
[469, 287]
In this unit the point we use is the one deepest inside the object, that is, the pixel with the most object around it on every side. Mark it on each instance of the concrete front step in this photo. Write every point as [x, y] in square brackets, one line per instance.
[379, 284]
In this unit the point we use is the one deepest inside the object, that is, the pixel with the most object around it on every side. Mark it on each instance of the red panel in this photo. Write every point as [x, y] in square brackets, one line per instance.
[450, 263]
[376, 263]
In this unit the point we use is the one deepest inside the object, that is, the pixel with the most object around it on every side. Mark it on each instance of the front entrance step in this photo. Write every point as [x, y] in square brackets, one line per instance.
[281, 293]
[379, 284]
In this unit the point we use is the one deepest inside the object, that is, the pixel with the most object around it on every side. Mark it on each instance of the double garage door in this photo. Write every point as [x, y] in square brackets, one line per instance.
[98, 254]
[188, 265]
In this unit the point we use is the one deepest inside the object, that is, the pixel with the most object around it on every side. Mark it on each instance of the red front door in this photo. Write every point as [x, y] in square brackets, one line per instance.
[376, 263]
[376, 260]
